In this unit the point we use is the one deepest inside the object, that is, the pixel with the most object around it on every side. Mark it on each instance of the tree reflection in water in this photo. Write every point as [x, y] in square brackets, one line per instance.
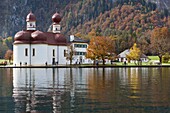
[85, 90]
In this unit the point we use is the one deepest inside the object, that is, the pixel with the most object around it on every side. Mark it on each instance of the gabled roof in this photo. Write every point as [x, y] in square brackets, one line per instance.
[79, 40]
[124, 53]
[144, 56]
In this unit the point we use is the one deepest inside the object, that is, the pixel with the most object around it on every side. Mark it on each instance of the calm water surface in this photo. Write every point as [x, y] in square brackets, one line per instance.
[109, 90]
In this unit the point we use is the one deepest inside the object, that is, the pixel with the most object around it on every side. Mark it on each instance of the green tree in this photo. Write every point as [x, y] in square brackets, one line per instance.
[3, 49]
[9, 42]
[166, 58]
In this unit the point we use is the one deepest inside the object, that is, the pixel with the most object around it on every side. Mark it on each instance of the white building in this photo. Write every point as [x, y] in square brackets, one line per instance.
[34, 47]
[80, 49]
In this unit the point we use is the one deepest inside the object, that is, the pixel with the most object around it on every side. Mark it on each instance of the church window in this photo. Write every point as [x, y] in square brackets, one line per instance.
[53, 52]
[33, 52]
[26, 51]
[65, 53]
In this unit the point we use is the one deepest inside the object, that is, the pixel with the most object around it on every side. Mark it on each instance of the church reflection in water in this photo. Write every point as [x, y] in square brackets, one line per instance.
[42, 90]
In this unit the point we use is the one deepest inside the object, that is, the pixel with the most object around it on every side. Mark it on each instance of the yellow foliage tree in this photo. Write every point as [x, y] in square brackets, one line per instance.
[134, 54]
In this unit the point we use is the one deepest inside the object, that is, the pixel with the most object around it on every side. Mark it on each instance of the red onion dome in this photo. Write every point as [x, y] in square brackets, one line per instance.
[60, 38]
[22, 36]
[38, 36]
[30, 17]
[56, 18]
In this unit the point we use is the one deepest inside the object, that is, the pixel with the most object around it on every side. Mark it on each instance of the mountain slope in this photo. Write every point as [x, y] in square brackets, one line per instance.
[75, 13]
[132, 17]
[162, 4]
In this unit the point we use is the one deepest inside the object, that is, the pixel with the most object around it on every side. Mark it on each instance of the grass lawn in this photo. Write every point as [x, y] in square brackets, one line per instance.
[2, 60]
[153, 57]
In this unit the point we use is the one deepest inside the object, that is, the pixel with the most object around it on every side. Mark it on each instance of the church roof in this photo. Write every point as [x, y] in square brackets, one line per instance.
[30, 17]
[56, 18]
[22, 37]
[55, 39]
[38, 37]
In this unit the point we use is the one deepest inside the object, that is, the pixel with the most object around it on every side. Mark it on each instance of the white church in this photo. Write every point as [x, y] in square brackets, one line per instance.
[34, 47]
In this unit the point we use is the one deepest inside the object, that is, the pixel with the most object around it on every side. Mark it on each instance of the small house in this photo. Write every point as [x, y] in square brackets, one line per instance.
[122, 56]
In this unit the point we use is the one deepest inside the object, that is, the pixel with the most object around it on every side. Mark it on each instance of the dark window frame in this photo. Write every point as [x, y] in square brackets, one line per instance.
[53, 52]
[26, 51]
[33, 52]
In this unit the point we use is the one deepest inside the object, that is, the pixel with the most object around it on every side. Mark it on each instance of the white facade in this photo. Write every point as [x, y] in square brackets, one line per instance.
[19, 54]
[56, 54]
[80, 52]
[40, 54]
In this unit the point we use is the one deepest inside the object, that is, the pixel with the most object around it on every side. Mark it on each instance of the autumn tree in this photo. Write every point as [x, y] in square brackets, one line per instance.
[144, 45]
[134, 54]
[92, 33]
[160, 41]
[9, 55]
[82, 36]
[78, 34]
[100, 48]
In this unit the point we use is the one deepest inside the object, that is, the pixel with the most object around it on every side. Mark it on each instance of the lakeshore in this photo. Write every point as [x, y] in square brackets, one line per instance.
[87, 66]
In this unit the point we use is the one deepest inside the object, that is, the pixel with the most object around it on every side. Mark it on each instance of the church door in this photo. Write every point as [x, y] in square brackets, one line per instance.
[53, 61]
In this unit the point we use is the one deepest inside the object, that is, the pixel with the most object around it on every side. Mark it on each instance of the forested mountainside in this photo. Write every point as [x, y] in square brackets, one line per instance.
[13, 13]
[125, 16]
[76, 13]
[162, 4]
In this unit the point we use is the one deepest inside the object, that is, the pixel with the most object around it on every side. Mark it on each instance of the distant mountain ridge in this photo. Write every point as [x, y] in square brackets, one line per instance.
[75, 13]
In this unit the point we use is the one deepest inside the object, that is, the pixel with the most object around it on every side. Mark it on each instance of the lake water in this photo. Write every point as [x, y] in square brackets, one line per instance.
[77, 90]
